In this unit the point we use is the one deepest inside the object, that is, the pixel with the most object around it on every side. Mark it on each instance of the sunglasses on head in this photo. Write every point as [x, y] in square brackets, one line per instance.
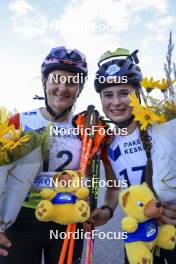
[67, 56]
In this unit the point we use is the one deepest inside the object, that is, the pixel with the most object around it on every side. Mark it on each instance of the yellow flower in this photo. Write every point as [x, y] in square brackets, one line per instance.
[12, 143]
[164, 85]
[144, 115]
[149, 84]
[9, 144]
[135, 104]
[13, 139]
[5, 130]
[134, 101]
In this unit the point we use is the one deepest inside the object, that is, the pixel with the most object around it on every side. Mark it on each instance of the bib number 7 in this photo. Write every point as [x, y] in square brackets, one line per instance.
[124, 173]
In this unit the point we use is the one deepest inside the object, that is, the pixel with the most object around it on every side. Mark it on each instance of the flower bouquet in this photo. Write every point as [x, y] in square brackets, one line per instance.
[158, 116]
[20, 160]
[164, 161]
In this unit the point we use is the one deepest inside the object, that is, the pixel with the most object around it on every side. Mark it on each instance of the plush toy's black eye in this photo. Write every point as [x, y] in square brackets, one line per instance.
[139, 203]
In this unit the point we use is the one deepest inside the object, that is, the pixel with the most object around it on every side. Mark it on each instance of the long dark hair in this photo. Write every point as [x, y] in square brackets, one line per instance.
[147, 145]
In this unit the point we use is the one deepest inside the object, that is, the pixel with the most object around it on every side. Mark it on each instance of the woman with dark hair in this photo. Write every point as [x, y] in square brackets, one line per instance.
[130, 155]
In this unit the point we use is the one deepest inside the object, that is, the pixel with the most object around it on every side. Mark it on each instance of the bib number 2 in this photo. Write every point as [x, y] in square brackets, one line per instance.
[69, 156]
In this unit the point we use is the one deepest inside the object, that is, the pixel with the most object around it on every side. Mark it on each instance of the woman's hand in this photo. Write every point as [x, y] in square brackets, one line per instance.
[169, 214]
[99, 217]
[5, 242]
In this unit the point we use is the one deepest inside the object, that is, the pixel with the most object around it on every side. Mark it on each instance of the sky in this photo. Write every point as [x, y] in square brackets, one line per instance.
[29, 29]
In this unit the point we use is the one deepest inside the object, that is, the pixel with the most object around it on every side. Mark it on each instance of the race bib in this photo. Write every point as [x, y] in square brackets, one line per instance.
[43, 180]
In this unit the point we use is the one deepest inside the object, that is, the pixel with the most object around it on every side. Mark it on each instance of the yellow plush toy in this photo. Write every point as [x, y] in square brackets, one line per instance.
[65, 203]
[143, 233]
